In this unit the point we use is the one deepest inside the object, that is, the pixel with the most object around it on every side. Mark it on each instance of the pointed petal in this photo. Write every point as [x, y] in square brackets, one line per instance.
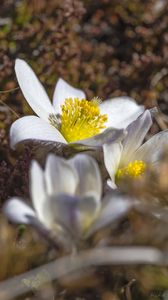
[136, 133]
[112, 155]
[63, 90]
[108, 136]
[121, 111]
[111, 184]
[34, 128]
[18, 212]
[90, 182]
[37, 189]
[60, 176]
[114, 207]
[33, 90]
[151, 151]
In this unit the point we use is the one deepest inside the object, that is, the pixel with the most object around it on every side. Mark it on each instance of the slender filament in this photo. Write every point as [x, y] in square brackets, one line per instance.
[80, 119]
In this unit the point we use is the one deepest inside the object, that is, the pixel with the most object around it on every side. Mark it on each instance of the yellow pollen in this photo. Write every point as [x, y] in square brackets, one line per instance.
[80, 119]
[134, 169]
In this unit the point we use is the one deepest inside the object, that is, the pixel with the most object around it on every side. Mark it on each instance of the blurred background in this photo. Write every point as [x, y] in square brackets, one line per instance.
[108, 48]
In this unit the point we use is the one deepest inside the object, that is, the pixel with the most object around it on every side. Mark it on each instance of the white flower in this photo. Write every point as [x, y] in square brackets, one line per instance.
[130, 157]
[71, 119]
[67, 193]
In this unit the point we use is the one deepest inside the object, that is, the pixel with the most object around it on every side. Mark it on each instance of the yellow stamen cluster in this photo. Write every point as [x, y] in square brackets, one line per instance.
[133, 169]
[80, 119]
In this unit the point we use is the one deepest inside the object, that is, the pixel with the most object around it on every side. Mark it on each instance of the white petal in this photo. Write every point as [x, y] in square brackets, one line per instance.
[112, 155]
[90, 182]
[136, 133]
[18, 212]
[111, 184]
[151, 151]
[33, 90]
[121, 111]
[114, 207]
[37, 189]
[73, 213]
[34, 128]
[60, 176]
[88, 208]
[63, 90]
[61, 209]
[107, 136]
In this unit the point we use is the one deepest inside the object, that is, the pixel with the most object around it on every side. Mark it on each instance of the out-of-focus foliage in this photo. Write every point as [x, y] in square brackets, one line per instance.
[108, 48]
[26, 250]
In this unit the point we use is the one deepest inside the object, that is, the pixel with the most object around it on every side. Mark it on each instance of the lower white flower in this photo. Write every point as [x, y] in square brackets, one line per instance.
[130, 157]
[71, 118]
[68, 194]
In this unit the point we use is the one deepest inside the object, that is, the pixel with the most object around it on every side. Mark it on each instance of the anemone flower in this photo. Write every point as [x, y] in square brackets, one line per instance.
[71, 119]
[132, 157]
[67, 193]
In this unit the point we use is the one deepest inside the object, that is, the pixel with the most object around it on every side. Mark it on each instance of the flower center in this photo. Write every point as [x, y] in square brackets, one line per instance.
[134, 169]
[80, 119]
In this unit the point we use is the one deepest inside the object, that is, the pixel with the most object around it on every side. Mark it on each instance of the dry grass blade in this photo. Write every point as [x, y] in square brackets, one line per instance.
[105, 256]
